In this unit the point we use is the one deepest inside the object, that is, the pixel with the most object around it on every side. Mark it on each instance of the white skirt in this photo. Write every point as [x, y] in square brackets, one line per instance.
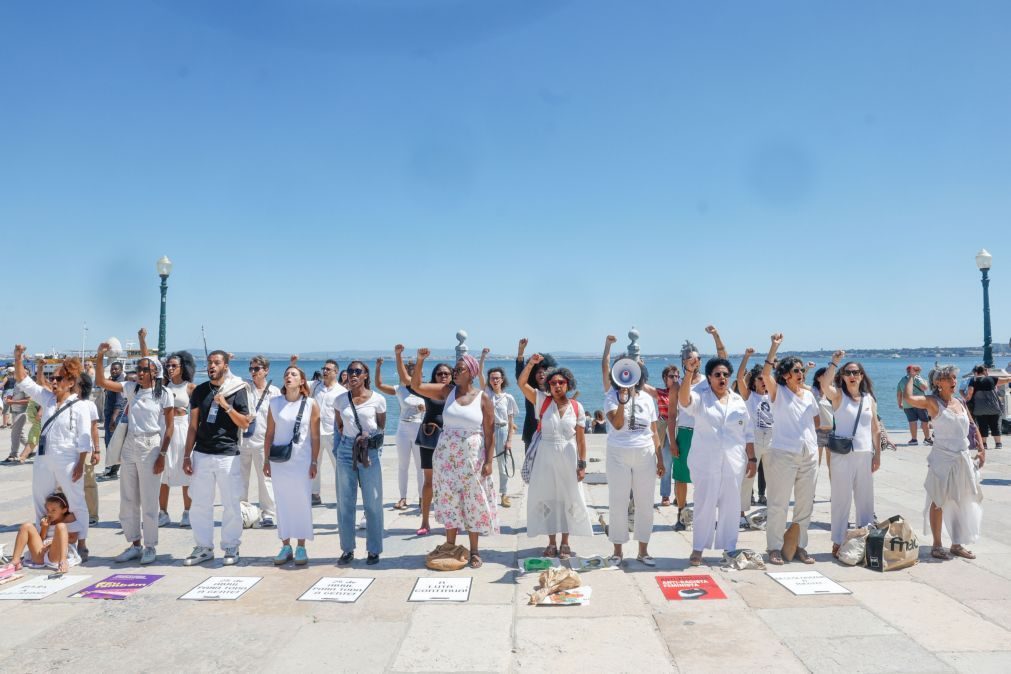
[293, 493]
[173, 474]
[555, 501]
[953, 485]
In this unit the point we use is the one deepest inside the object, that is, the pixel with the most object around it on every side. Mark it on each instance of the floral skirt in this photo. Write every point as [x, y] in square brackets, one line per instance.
[463, 498]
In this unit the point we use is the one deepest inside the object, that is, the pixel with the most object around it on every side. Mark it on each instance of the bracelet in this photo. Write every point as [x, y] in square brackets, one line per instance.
[769, 362]
[752, 460]
[832, 364]
[314, 463]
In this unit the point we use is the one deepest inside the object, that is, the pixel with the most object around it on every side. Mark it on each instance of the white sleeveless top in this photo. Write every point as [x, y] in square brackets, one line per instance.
[180, 394]
[285, 413]
[457, 417]
[951, 428]
[846, 416]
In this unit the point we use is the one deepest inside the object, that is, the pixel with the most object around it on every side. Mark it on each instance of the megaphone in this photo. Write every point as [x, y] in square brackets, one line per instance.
[625, 373]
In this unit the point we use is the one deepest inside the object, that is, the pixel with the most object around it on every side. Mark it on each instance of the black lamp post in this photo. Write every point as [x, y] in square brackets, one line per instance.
[983, 260]
[164, 266]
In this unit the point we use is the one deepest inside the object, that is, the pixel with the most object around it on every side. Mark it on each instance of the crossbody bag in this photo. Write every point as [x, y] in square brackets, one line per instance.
[363, 443]
[248, 433]
[841, 445]
[282, 453]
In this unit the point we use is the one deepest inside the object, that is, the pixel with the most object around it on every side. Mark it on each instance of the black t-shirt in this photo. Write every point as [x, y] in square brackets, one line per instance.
[222, 436]
[984, 396]
[530, 416]
[433, 409]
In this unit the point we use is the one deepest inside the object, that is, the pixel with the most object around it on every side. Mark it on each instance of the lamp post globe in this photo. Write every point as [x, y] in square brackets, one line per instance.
[164, 268]
[983, 262]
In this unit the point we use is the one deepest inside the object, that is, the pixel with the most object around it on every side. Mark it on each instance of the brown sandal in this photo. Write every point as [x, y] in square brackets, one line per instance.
[695, 559]
[550, 551]
[938, 552]
[475, 561]
[804, 557]
[564, 552]
[959, 551]
[401, 504]
[776, 557]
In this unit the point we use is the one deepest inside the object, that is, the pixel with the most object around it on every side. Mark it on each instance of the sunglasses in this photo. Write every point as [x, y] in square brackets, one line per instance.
[355, 371]
[721, 375]
[55, 377]
[144, 370]
[443, 373]
[329, 369]
[255, 368]
[172, 366]
[798, 370]
[558, 382]
[852, 373]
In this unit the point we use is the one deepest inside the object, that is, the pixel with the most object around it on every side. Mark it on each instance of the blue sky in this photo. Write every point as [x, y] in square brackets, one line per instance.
[341, 175]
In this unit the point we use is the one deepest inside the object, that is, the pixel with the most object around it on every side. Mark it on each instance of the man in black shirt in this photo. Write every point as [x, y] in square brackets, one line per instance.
[219, 411]
[115, 404]
[538, 375]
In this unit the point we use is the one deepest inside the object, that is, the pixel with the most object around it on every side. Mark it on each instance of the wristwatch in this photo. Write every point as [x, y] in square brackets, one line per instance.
[580, 465]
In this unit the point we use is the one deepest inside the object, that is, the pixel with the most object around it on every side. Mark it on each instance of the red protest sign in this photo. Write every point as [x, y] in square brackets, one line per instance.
[689, 587]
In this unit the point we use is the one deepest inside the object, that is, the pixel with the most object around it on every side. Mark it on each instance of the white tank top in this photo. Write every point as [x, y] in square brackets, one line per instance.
[181, 394]
[846, 416]
[457, 417]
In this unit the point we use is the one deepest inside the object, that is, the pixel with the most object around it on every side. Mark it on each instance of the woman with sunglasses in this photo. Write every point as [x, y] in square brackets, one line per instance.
[251, 448]
[64, 441]
[292, 479]
[506, 410]
[555, 502]
[723, 454]
[180, 368]
[148, 436]
[360, 412]
[412, 412]
[791, 463]
[851, 393]
[954, 493]
[431, 427]
[671, 376]
[463, 459]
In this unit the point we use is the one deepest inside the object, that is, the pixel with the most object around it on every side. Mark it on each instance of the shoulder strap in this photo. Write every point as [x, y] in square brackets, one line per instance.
[51, 419]
[544, 408]
[266, 390]
[351, 399]
[860, 411]
[298, 422]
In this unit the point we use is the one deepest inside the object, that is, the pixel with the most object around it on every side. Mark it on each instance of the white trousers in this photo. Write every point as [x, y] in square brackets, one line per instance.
[251, 459]
[789, 473]
[139, 487]
[717, 496]
[407, 433]
[762, 438]
[630, 470]
[851, 479]
[325, 447]
[210, 470]
[52, 470]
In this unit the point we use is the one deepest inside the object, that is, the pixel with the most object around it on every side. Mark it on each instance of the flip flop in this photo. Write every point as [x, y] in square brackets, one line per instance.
[959, 551]
[804, 557]
[475, 561]
[938, 552]
[423, 531]
[776, 557]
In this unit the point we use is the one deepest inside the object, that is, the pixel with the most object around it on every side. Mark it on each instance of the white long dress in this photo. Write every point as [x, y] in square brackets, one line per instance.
[173, 475]
[555, 501]
[292, 485]
[952, 482]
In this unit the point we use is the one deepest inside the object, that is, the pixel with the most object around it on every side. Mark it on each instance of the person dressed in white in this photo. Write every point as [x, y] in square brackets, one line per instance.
[65, 440]
[412, 411]
[325, 393]
[292, 417]
[260, 393]
[555, 501]
[220, 412]
[751, 386]
[851, 393]
[634, 463]
[723, 452]
[506, 410]
[142, 459]
[180, 368]
[791, 463]
[954, 494]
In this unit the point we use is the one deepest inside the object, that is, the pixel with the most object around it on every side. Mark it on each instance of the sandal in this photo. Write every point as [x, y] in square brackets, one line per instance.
[776, 557]
[646, 559]
[959, 551]
[695, 559]
[550, 551]
[423, 531]
[475, 561]
[564, 552]
[938, 552]
[614, 560]
[665, 501]
[401, 504]
[835, 550]
[804, 557]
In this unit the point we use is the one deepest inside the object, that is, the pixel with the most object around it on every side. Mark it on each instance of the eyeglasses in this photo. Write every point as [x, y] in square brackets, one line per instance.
[558, 382]
[721, 375]
[355, 371]
[852, 373]
[255, 368]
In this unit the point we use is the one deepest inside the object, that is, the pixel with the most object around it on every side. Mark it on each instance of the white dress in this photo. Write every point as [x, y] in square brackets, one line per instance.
[555, 501]
[173, 475]
[952, 482]
[292, 485]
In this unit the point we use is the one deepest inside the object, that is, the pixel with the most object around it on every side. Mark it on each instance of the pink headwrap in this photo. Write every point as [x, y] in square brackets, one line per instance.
[472, 365]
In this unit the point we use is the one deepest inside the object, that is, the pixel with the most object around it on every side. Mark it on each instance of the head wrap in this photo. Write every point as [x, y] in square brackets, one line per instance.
[471, 363]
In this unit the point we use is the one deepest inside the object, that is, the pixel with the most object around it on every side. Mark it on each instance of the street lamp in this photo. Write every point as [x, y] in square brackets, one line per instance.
[983, 260]
[164, 267]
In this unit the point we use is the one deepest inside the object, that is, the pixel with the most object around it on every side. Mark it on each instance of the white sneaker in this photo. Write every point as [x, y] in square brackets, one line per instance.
[131, 553]
[199, 555]
[184, 521]
[231, 557]
[149, 554]
[267, 522]
[163, 519]
[363, 523]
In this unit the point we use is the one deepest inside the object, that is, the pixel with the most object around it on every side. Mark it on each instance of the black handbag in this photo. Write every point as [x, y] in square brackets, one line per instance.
[363, 443]
[248, 433]
[281, 453]
[428, 436]
[840, 445]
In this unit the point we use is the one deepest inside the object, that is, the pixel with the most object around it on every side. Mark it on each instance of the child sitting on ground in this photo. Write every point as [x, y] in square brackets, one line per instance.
[50, 545]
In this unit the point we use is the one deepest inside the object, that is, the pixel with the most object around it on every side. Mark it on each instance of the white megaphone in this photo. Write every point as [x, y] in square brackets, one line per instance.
[625, 373]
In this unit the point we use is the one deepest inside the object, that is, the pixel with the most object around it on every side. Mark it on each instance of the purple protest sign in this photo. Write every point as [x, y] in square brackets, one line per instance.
[117, 586]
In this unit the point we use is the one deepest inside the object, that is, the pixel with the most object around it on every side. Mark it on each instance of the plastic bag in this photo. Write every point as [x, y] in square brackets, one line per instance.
[743, 560]
[851, 553]
[757, 519]
[555, 580]
[250, 515]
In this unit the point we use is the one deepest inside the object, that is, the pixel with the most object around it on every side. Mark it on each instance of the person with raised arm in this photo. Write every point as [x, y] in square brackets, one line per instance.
[148, 436]
[724, 454]
[292, 419]
[791, 462]
[851, 393]
[180, 369]
[64, 441]
[555, 501]
[412, 412]
[954, 498]
[537, 375]
[752, 388]
[463, 459]
[505, 414]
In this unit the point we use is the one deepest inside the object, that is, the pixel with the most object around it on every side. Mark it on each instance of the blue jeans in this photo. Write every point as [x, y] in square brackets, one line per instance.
[349, 478]
[668, 459]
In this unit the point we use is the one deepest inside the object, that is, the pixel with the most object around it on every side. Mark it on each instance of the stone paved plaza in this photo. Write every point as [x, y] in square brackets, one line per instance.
[933, 617]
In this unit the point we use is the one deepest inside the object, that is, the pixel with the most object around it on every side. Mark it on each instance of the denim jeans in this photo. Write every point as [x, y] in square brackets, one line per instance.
[349, 478]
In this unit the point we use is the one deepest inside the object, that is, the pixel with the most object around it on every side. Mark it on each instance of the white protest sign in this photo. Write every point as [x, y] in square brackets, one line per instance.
[41, 587]
[345, 590]
[807, 583]
[441, 589]
[222, 588]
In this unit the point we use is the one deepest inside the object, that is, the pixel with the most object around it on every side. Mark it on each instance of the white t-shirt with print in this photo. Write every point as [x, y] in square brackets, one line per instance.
[645, 414]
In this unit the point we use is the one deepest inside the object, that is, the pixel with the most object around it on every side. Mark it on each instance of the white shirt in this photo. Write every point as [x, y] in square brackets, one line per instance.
[685, 419]
[645, 414]
[760, 409]
[70, 433]
[504, 404]
[793, 431]
[368, 412]
[325, 398]
[260, 432]
[721, 432]
[146, 412]
[412, 406]
[563, 427]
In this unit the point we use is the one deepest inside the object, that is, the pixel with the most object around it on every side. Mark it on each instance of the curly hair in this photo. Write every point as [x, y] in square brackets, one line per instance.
[187, 364]
[784, 367]
[505, 379]
[714, 363]
[941, 372]
[560, 372]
